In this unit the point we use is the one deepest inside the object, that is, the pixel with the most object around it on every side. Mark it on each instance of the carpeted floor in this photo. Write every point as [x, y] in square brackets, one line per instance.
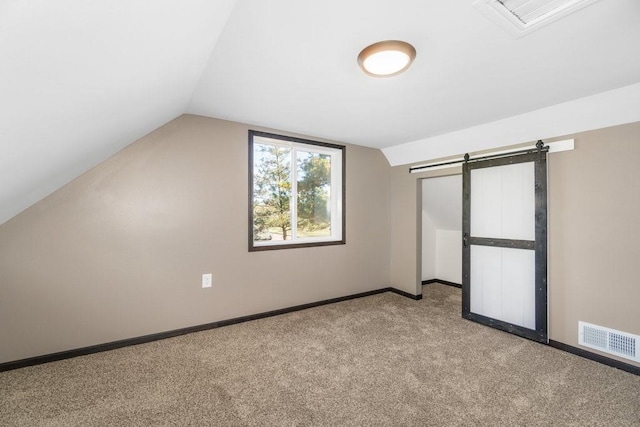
[377, 361]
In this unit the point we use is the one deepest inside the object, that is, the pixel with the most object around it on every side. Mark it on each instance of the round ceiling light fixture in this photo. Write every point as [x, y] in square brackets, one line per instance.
[387, 58]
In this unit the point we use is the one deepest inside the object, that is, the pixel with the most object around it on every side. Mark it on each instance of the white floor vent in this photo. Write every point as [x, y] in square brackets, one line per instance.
[609, 341]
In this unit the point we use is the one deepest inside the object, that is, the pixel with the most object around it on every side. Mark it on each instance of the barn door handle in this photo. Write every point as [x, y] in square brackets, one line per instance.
[465, 242]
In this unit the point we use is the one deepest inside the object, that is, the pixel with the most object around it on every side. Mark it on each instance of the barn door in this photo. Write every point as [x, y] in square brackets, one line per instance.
[504, 271]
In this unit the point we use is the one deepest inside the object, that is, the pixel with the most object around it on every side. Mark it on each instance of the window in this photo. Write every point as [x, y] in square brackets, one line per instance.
[296, 192]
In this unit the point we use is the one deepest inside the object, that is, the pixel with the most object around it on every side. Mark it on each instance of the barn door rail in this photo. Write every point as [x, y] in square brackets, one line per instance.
[539, 148]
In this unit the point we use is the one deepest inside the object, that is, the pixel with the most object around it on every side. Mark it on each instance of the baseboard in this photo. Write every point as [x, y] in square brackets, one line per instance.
[405, 294]
[38, 360]
[442, 282]
[596, 357]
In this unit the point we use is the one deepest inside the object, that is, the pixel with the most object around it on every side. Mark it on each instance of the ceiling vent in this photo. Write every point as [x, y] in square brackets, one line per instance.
[520, 17]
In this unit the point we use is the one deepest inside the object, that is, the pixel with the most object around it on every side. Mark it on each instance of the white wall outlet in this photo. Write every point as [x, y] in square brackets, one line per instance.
[207, 280]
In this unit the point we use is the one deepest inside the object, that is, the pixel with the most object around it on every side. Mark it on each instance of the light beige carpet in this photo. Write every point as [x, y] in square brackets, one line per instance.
[374, 361]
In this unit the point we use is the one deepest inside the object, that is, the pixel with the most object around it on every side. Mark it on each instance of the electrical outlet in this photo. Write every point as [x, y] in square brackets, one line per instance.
[207, 280]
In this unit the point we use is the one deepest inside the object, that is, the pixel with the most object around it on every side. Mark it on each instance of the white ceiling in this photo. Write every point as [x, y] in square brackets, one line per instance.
[79, 79]
[292, 65]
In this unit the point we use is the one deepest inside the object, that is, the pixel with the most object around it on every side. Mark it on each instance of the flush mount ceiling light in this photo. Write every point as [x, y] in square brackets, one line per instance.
[387, 58]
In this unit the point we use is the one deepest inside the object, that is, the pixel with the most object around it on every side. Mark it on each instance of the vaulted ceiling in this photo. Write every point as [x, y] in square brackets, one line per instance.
[80, 80]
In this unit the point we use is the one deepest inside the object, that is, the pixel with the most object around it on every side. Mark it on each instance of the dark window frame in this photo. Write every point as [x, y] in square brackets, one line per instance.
[304, 244]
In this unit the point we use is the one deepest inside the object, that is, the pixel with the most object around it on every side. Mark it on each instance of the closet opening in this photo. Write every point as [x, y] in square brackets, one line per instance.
[442, 230]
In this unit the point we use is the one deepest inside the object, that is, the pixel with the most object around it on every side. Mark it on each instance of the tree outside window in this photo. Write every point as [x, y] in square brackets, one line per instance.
[297, 196]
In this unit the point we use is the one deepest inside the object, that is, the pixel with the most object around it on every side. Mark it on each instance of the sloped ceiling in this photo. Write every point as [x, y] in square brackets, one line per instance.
[442, 201]
[79, 80]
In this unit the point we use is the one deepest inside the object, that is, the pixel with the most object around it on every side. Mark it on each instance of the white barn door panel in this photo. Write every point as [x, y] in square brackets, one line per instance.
[503, 202]
[503, 284]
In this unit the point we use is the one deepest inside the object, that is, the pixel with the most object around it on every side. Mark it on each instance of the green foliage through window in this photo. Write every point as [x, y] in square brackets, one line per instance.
[314, 188]
[297, 192]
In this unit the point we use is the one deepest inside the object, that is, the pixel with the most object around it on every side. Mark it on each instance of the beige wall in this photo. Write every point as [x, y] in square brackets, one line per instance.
[119, 252]
[594, 230]
[594, 233]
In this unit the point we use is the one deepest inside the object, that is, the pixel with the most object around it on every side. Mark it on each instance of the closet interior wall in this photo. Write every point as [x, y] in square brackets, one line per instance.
[442, 228]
